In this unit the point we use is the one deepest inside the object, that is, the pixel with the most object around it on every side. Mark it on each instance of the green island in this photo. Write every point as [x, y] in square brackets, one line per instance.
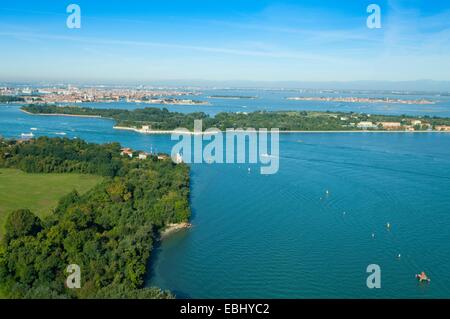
[154, 119]
[107, 223]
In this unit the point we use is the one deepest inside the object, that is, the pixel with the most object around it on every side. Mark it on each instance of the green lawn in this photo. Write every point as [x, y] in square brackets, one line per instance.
[38, 192]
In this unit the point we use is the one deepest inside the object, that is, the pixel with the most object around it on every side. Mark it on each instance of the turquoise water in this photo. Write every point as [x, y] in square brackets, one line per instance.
[282, 236]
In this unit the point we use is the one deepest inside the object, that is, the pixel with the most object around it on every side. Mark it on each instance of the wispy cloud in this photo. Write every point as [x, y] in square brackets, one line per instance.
[323, 35]
[220, 50]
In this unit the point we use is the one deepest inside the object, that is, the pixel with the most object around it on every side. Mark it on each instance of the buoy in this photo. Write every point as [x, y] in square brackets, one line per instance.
[327, 192]
[399, 256]
[388, 225]
[373, 235]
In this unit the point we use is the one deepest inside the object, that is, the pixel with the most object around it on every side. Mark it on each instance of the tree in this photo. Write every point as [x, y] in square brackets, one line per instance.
[109, 231]
[21, 223]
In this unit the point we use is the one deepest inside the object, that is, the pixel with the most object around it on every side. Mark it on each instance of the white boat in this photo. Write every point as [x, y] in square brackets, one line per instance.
[33, 129]
[61, 133]
[27, 135]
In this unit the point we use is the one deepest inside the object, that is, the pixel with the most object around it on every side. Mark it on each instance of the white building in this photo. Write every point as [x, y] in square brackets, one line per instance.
[365, 125]
[143, 156]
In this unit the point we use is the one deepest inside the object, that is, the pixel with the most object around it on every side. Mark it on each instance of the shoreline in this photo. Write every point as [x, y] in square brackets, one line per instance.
[174, 228]
[68, 115]
[167, 103]
[361, 100]
[243, 131]
[162, 132]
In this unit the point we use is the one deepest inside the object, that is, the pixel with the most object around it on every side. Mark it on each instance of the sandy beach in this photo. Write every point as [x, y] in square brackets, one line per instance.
[141, 131]
[68, 115]
[173, 228]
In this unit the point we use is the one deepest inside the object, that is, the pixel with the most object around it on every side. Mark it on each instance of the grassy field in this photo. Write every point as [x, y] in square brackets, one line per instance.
[38, 192]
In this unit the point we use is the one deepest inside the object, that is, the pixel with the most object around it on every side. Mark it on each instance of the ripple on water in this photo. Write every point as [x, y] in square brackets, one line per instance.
[282, 236]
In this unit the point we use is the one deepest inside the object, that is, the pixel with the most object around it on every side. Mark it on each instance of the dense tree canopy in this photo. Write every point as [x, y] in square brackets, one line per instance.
[21, 223]
[108, 231]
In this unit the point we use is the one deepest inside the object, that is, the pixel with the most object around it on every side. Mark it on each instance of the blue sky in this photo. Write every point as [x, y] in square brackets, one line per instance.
[144, 41]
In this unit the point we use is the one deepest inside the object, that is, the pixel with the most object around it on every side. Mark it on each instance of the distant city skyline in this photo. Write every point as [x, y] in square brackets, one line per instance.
[291, 42]
[416, 86]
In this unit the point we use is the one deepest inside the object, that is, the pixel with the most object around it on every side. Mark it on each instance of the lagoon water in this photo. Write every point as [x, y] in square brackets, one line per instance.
[282, 235]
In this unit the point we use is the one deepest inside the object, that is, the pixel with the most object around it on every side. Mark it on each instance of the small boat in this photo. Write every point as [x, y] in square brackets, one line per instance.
[422, 277]
[33, 129]
[60, 133]
[27, 135]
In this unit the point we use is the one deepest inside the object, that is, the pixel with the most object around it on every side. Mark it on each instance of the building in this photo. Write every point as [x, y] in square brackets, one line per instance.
[443, 128]
[366, 125]
[143, 156]
[163, 157]
[126, 152]
[391, 125]
[416, 122]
